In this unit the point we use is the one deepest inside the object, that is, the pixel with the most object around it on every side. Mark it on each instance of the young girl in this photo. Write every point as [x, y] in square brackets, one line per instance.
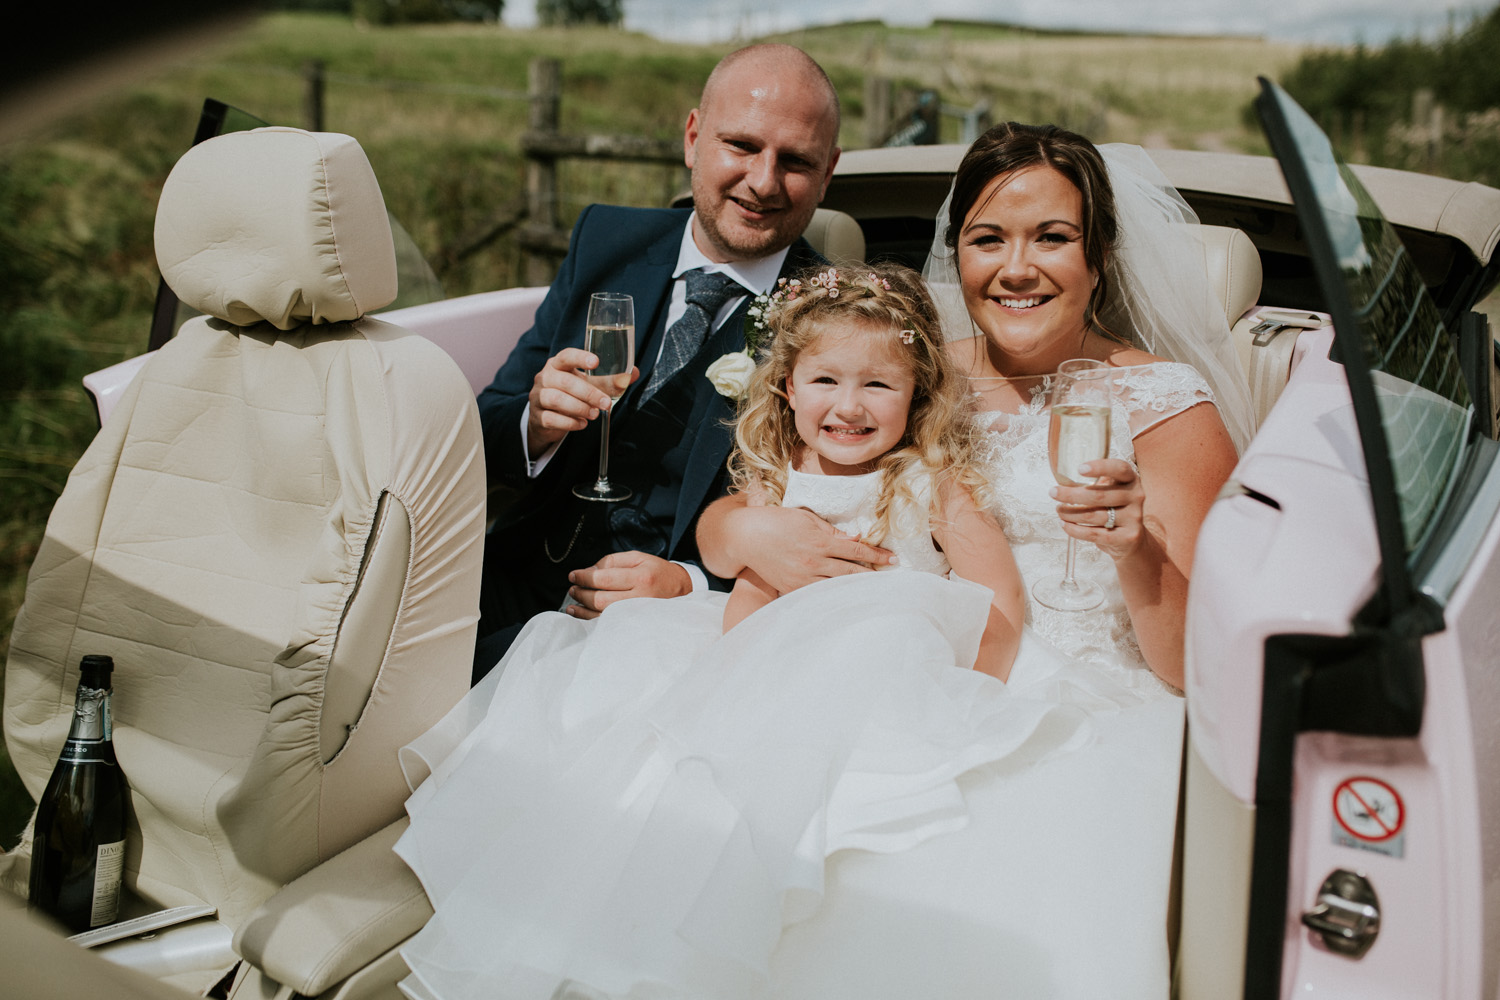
[857, 388]
[641, 805]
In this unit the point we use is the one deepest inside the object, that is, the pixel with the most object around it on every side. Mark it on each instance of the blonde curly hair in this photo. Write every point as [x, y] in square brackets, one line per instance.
[887, 303]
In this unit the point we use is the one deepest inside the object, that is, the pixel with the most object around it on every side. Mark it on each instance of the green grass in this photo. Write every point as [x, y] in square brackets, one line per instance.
[440, 111]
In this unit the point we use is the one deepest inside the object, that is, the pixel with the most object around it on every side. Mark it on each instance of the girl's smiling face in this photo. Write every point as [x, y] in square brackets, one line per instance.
[850, 392]
[1021, 264]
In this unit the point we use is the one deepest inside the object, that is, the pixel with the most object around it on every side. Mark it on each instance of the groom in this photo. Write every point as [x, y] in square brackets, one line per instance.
[761, 146]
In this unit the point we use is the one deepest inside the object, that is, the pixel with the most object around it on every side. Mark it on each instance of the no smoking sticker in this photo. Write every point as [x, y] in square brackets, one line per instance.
[1369, 814]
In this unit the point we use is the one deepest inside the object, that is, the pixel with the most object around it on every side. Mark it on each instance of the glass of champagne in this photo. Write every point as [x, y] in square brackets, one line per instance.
[610, 336]
[1082, 392]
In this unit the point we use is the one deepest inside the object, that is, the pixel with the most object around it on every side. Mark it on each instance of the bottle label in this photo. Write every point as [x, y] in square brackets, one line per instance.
[107, 877]
[84, 752]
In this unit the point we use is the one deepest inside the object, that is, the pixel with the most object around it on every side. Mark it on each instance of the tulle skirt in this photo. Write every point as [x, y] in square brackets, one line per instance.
[824, 802]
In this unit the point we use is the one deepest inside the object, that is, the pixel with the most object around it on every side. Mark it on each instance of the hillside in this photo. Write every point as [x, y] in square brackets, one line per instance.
[1153, 90]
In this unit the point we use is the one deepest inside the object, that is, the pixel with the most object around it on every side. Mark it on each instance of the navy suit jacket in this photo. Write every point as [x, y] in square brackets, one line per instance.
[630, 250]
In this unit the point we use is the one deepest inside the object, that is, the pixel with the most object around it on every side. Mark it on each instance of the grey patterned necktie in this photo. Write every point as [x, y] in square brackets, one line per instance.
[706, 295]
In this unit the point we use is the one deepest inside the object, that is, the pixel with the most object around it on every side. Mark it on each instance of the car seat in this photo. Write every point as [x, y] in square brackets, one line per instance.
[277, 536]
[836, 236]
[1264, 339]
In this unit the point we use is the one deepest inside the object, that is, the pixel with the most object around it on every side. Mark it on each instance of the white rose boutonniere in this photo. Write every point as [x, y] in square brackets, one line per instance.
[730, 374]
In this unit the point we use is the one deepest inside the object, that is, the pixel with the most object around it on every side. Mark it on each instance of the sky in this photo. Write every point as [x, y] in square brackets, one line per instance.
[1325, 21]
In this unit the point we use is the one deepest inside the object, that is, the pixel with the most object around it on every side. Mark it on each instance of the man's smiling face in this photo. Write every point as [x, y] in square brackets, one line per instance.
[761, 149]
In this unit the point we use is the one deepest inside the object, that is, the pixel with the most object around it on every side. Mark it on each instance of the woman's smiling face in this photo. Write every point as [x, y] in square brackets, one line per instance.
[1025, 277]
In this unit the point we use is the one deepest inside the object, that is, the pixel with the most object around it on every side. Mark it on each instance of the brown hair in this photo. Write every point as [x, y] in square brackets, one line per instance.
[1012, 146]
[880, 301]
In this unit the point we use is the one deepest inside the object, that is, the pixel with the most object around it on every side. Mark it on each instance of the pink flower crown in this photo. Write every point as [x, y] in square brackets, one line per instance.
[825, 284]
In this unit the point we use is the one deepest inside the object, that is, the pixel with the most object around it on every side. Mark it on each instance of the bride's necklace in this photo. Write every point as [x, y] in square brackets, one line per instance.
[983, 383]
[1003, 378]
[982, 386]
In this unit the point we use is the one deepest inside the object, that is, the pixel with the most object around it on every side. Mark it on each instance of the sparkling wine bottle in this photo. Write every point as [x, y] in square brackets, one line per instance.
[78, 853]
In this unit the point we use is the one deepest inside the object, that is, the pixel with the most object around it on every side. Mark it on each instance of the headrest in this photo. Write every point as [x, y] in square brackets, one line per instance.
[1233, 269]
[836, 236]
[276, 225]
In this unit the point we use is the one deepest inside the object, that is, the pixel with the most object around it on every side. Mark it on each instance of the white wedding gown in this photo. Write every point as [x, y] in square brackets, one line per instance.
[822, 803]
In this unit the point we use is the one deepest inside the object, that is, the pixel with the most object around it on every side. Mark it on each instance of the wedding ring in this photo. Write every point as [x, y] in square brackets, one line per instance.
[1109, 522]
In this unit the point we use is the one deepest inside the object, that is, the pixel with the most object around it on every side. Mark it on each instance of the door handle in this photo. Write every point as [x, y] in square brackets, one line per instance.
[1347, 913]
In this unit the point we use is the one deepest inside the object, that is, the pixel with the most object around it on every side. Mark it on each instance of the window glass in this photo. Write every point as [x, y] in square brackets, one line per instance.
[1424, 402]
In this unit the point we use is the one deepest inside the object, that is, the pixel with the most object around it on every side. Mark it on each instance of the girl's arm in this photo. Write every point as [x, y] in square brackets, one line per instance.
[978, 551]
[750, 594]
[1182, 461]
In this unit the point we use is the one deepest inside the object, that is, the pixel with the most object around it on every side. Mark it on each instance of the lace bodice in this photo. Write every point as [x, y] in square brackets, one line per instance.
[1016, 457]
[848, 503]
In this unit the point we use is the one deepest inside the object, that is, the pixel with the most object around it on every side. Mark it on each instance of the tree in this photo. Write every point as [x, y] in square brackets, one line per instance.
[1367, 100]
[562, 13]
[410, 11]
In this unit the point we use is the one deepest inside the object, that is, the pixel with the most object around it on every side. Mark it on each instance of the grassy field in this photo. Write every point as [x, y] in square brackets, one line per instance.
[440, 111]
[1157, 91]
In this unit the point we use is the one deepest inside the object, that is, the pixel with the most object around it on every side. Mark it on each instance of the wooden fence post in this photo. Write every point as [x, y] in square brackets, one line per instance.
[1427, 119]
[544, 88]
[312, 95]
[878, 91]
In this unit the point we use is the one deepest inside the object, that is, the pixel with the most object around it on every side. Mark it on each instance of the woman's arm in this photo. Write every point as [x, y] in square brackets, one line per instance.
[789, 547]
[978, 551]
[1183, 461]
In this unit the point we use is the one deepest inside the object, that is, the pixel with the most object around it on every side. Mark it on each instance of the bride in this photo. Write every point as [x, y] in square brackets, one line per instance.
[1042, 873]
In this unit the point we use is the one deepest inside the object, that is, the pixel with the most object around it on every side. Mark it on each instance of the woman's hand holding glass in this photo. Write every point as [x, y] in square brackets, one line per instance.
[1084, 509]
[1082, 399]
[1099, 499]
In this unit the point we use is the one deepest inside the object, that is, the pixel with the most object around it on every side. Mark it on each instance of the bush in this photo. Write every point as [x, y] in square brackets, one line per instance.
[414, 11]
[1366, 100]
[558, 13]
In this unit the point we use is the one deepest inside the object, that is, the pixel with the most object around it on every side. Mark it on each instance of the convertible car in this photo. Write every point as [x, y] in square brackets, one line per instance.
[1339, 810]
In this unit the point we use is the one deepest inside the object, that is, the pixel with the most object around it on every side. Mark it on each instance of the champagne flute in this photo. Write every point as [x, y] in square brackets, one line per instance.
[1082, 393]
[610, 336]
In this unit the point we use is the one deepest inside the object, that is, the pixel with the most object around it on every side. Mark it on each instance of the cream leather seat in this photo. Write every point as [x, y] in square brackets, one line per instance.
[1265, 350]
[836, 236]
[277, 535]
[1234, 269]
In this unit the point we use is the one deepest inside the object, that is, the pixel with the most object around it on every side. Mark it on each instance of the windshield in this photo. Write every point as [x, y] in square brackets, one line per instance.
[1422, 397]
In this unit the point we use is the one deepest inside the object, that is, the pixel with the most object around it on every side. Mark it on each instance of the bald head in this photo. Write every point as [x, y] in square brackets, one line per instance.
[762, 145]
[777, 61]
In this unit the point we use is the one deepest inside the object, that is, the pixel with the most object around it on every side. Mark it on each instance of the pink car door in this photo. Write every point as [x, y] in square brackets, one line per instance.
[1344, 706]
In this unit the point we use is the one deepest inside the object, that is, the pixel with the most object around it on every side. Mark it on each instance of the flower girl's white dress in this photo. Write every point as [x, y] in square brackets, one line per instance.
[822, 803]
[1058, 887]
